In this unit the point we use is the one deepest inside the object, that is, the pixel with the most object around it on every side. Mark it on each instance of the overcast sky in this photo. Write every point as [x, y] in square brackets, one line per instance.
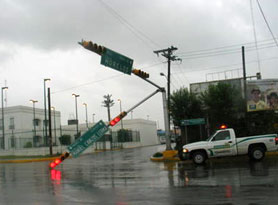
[39, 39]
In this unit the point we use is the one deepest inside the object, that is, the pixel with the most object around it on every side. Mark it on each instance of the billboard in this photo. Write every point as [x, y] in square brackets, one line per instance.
[262, 95]
[198, 88]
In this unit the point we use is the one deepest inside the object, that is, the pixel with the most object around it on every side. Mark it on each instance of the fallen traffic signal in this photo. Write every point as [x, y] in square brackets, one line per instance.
[59, 160]
[117, 119]
[93, 47]
[140, 73]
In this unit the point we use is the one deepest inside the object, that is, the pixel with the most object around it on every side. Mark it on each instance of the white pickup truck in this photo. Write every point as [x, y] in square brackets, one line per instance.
[224, 143]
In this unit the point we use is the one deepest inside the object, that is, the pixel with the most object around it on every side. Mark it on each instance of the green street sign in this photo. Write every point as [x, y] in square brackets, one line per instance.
[116, 61]
[88, 138]
[197, 121]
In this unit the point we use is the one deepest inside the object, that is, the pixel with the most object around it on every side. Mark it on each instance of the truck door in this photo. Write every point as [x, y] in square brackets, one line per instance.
[222, 144]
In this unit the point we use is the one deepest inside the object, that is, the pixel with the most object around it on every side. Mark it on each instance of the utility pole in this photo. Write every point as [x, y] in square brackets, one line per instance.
[168, 53]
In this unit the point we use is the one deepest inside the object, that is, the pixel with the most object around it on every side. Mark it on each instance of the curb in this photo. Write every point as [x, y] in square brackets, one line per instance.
[162, 159]
[27, 160]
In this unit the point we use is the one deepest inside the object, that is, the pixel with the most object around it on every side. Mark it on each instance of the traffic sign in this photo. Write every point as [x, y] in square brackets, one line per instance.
[88, 138]
[116, 61]
[197, 121]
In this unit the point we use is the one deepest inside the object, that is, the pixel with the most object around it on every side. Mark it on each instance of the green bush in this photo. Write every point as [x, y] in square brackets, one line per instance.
[28, 145]
[65, 139]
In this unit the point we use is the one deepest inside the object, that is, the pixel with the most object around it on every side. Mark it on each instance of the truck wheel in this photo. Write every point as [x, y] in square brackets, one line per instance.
[257, 153]
[199, 157]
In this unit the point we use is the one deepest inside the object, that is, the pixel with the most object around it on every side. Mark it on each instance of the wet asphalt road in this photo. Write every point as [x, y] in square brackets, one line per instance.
[129, 177]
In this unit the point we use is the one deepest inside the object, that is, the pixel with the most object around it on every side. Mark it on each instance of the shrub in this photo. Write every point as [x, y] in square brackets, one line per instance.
[28, 145]
[65, 140]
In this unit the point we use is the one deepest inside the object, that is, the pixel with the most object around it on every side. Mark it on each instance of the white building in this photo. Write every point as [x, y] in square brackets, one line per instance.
[144, 132]
[21, 130]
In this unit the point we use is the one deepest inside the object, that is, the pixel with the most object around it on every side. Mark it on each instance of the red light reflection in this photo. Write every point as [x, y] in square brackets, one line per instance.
[56, 175]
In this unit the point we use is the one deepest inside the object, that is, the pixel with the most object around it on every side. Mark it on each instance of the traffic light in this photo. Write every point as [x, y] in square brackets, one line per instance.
[140, 73]
[117, 119]
[59, 160]
[92, 47]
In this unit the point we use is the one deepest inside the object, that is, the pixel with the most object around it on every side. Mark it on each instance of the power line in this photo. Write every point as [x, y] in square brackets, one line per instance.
[267, 23]
[89, 83]
[236, 65]
[224, 52]
[129, 26]
[255, 35]
[224, 48]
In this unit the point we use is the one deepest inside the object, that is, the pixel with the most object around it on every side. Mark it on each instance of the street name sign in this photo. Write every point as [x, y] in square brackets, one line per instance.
[116, 61]
[197, 121]
[88, 138]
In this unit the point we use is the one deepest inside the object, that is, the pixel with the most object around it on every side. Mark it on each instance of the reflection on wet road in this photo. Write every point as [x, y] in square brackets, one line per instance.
[129, 177]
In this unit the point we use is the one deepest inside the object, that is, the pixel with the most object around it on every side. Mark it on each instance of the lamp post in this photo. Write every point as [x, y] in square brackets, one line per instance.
[45, 115]
[3, 124]
[85, 104]
[53, 108]
[94, 117]
[34, 116]
[76, 96]
[122, 126]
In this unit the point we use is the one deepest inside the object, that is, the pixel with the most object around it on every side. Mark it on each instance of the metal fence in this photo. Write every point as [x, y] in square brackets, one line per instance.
[26, 139]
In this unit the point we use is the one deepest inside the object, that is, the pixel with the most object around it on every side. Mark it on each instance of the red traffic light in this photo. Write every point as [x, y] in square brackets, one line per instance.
[59, 160]
[117, 119]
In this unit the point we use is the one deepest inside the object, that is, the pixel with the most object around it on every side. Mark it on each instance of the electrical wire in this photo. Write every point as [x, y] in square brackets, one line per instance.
[224, 66]
[268, 26]
[225, 49]
[255, 35]
[89, 83]
[129, 26]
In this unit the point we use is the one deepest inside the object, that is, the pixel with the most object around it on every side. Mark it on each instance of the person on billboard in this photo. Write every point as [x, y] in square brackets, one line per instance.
[272, 100]
[256, 103]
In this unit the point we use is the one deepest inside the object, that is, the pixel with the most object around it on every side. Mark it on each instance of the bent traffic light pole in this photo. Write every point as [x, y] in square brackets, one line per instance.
[165, 112]
[124, 113]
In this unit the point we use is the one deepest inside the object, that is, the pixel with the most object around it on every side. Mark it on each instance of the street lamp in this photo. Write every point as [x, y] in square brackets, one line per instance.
[53, 108]
[34, 116]
[3, 125]
[85, 104]
[122, 126]
[94, 117]
[76, 96]
[45, 114]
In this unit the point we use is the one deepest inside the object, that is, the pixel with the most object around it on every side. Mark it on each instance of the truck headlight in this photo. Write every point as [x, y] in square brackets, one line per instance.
[185, 150]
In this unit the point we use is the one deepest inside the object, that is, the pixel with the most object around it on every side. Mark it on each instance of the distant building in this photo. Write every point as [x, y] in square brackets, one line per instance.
[141, 131]
[19, 127]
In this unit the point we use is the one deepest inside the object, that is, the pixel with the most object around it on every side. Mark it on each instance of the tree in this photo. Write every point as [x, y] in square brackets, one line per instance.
[185, 105]
[108, 102]
[223, 103]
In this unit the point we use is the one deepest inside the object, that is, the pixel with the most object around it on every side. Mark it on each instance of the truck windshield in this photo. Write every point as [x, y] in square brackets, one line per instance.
[210, 137]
